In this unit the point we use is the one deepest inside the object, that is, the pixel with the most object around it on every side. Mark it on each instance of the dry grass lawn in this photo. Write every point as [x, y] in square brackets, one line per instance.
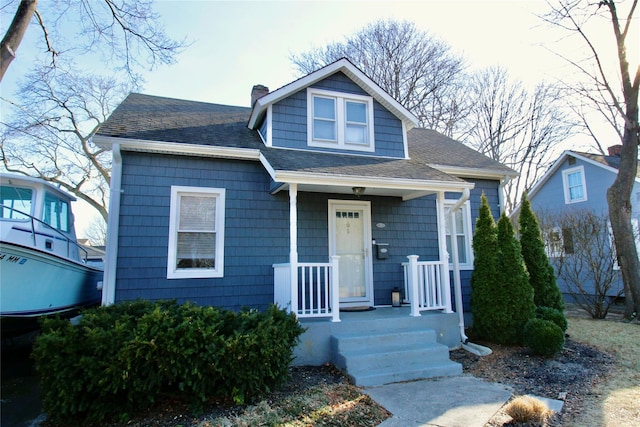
[616, 401]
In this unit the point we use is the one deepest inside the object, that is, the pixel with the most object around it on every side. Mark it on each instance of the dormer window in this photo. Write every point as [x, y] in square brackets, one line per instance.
[339, 120]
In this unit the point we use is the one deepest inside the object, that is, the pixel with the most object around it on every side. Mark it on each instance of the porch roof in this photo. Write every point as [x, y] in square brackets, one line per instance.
[315, 171]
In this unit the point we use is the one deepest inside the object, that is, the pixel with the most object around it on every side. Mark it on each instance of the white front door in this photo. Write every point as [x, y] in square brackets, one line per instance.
[350, 238]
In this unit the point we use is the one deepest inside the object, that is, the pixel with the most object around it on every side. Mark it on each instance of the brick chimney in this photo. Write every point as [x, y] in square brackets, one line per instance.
[615, 150]
[258, 91]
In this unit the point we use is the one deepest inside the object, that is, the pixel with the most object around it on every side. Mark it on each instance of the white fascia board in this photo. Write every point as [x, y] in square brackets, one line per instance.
[534, 189]
[473, 172]
[377, 182]
[350, 70]
[184, 149]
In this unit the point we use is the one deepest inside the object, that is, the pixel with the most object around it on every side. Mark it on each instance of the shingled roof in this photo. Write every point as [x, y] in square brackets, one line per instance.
[611, 161]
[151, 118]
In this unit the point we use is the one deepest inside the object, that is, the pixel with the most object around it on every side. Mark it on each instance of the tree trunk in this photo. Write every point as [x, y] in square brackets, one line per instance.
[14, 34]
[619, 200]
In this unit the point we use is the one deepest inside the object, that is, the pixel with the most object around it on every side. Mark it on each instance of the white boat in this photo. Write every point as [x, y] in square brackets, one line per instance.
[43, 269]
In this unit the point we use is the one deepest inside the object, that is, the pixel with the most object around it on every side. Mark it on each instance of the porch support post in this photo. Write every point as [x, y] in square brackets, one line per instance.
[293, 245]
[414, 295]
[335, 288]
[444, 255]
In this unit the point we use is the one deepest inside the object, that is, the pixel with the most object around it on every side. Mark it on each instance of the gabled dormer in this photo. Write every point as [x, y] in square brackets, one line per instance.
[337, 109]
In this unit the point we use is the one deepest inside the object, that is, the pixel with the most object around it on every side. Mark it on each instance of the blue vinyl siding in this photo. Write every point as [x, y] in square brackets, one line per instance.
[550, 197]
[549, 201]
[289, 116]
[257, 231]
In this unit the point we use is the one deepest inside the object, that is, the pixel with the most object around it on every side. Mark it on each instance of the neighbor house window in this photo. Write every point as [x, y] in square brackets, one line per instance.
[575, 189]
[558, 242]
[196, 232]
[339, 120]
[462, 218]
[635, 227]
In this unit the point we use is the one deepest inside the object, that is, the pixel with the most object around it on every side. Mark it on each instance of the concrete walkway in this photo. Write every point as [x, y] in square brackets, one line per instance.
[460, 401]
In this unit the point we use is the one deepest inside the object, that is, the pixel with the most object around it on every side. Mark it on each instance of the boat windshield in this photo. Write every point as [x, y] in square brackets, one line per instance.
[16, 202]
[56, 213]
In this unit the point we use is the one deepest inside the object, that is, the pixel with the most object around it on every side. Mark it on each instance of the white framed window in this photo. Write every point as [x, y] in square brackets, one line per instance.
[339, 120]
[558, 242]
[196, 233]
[575, 188]
[462, 218]
[635, 227]
[554, 245]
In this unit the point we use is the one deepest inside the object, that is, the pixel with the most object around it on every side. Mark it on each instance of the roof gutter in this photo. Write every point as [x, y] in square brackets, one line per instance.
[111, 256]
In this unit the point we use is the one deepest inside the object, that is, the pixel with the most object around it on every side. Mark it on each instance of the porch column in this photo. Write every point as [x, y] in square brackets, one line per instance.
[335, 288]
[293, 245]
[414, 293]
[444, 255]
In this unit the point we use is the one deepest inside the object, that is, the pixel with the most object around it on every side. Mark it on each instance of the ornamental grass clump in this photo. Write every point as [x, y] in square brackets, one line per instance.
[527, 409]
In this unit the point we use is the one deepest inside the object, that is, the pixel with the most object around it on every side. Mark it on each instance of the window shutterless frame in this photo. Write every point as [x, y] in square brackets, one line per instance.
[196, 233]
[463, 234]
[339, 120]
[574, 184]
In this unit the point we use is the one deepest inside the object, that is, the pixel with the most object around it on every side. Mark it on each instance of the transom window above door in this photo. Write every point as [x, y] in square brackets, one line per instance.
[339, 120]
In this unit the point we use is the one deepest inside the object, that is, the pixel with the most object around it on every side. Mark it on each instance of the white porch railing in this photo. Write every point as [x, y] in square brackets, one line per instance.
[317, 293]
[426, 285]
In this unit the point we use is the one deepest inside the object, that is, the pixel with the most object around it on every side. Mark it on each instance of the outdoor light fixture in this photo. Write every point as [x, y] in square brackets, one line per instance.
[395, 297]
[358, 191]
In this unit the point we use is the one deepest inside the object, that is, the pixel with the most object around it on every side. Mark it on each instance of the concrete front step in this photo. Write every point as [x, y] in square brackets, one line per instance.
[380, 358]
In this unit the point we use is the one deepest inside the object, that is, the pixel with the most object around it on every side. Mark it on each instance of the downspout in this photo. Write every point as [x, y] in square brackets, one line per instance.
[113, 223]
[457, 287]
[503, 183]
[470, 347]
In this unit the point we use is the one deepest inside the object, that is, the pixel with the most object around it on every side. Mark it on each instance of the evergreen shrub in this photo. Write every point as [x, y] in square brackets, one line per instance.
[557, 317]
[483, 278]
[542, 276]
[543, 337]
[122, 358]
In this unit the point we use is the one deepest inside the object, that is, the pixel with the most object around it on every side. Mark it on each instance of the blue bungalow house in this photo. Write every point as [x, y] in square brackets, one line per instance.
[323, 197]
[577, 182]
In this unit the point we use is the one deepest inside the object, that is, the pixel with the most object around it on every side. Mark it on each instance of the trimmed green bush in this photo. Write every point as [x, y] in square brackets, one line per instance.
[515, 304]
[542, 276]
[483, 278]
[557, 317]
[543, 337]
[122, 358]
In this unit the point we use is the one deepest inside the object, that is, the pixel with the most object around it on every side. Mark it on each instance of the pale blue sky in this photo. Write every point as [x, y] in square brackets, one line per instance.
[239, 44]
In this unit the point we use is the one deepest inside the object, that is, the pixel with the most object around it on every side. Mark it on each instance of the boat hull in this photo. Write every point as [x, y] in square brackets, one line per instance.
[35, 284]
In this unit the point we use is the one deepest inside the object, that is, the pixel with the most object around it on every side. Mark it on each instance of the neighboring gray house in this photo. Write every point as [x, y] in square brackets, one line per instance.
[577, 182]
[325, 183]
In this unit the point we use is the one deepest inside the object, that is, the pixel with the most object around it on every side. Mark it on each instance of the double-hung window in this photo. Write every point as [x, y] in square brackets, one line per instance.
[339, 120]
[196, 233]
[575, 189]
[462, 218]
